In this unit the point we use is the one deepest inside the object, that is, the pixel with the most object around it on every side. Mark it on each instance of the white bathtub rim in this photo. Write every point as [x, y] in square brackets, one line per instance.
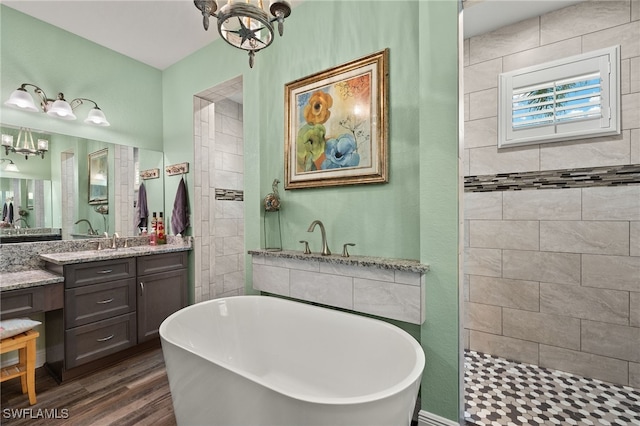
[407, 382]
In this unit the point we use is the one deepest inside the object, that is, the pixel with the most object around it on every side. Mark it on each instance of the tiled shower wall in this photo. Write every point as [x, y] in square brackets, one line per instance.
[124, 180]
[218, 219]
[552, 276]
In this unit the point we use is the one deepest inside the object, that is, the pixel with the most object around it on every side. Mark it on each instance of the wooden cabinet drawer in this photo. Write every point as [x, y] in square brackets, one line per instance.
[98, 272]
[96, 340]
[164, 262]
[87, 304]
[16, 303]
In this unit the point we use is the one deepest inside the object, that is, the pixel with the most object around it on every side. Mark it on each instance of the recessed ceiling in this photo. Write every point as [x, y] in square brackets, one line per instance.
[162, 32]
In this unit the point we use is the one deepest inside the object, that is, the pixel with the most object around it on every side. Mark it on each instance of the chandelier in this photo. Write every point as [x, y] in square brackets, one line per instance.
[59, 108]
[244, 24]
[24, 144]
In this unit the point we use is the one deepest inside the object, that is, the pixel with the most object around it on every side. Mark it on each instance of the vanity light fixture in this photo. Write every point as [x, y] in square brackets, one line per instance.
[244, 23]
[24, 144]
[59, 108]
[11, 167]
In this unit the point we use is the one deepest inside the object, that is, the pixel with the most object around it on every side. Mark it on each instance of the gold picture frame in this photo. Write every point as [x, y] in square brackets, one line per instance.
[99, 177]
[336, 125]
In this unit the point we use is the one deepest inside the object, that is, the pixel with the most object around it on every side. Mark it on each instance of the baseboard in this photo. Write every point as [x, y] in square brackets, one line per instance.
[41, 358]
[426, 418]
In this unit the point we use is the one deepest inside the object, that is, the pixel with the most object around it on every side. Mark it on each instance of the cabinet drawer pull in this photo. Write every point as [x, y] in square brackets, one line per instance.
[104, 339]
[103, 302]
[141, 288]
[105, 271]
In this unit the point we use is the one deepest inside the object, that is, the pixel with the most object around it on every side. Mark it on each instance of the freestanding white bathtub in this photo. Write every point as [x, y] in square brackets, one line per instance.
[259, 360]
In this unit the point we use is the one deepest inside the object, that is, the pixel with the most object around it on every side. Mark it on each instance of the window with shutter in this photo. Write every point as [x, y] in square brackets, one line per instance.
[572, 98]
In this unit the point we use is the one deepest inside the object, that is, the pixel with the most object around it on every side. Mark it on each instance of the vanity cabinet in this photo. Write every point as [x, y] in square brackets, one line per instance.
[100, 304]
[162, 290]
[112, 309]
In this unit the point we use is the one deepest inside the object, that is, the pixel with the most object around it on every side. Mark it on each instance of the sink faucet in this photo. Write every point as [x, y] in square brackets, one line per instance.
[91, 230]
[26, 225]
[325, 246]
[114, 243]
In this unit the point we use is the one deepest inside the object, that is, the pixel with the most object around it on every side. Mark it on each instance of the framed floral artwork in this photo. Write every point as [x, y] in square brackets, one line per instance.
[336, 125]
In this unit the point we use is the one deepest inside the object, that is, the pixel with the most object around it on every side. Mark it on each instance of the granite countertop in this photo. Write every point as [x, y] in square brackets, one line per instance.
[27, 279]
[70, 257]
[378, 262]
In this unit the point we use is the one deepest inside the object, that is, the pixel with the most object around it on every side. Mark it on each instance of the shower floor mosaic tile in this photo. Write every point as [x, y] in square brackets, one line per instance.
[502, 393]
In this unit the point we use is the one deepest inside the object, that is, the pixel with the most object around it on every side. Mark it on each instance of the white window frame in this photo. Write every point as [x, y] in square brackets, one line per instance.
[604, 62]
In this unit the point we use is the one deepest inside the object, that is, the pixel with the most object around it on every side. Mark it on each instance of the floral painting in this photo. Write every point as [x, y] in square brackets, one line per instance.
[337, 125]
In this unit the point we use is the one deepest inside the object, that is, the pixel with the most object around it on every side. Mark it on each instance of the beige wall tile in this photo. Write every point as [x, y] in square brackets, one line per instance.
[332, 290]
[542, 54]
[553, 26]
[465, 55]
[631, 111]
[615, 341]
[481, 132]
[506, 347]
[513, 234]
[483, 205]
[635, 146]
[271, 279]
[634, 371]
[467, 104]
[611, 203]
[550, 267]
[466, 166]
[635, 15]
[483, 104]
[483, 75]
[584, 302]
[548, 204]
[595, 237]
[605, 151]
[634, 307]
[627, 36]
[634, 239]
[504, 41]
[634, 74]
[555, 330]
[625, 77]
[486, 262]
[583, 364]
[484, 318]
[397, 301]
[613, 272]
[490, 160]
[506, 293]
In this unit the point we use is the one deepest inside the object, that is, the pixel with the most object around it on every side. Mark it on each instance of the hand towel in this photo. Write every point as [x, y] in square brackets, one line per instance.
[180, 214]
[142, 211]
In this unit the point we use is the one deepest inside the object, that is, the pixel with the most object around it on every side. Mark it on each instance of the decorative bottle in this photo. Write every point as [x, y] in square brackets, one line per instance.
[162, 238]
[153, 232]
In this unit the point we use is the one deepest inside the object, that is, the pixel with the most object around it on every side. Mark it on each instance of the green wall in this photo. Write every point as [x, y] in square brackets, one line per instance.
[414, 216]
[127, 91]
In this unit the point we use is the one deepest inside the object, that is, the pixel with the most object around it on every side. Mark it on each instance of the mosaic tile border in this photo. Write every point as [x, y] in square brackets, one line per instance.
[229, 194]
[554, 179]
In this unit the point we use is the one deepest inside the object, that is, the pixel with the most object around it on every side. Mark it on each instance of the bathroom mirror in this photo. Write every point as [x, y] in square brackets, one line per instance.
[66, 168]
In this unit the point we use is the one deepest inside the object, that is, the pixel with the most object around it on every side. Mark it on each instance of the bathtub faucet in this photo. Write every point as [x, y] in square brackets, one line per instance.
[325, 246]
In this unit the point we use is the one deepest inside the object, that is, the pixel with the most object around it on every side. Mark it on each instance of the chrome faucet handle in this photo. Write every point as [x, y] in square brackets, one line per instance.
[114, 243]
[99, 247]
[306, 247]
[345, 252]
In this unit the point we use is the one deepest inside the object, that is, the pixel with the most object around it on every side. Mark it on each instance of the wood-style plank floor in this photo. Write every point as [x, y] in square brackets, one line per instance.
[132, 392]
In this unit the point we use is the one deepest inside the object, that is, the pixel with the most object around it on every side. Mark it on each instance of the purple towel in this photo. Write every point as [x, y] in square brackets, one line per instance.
[142, 211]
[180, 214]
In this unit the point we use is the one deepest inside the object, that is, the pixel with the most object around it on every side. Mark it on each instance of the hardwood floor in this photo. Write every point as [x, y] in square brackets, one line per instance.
[132, 392]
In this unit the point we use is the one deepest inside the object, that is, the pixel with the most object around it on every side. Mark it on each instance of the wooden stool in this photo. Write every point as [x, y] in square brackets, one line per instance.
[25, 344]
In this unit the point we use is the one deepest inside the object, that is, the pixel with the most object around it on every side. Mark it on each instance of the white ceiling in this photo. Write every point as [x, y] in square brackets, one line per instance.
[162, 32]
